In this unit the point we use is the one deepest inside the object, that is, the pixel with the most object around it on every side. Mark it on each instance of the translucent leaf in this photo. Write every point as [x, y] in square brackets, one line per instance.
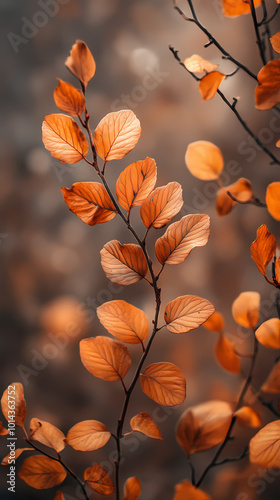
[272, 383]
[248, 417]
[124, 321]
[275, 42]
[18, 452]
[241, 190]
[245, 309]
[263, 248]
[196, 64]
[63, 138]
[123, 264]
[47, 434]
[42, 472]
[98, 478]
[145, 424]
[105, 358]
[267, 94]
[264, 447]
[225, 355]
[132, 488]
[186, 313]
[136, 182]
[186, 491]
[162, 205]
[273, 197]
[88, 435]
[164, 383]
[233, 8]
[210, 83]
[204, 160]
[268, 334]
[81, 62]
[215, 323]
[14, 396]
[69, 99]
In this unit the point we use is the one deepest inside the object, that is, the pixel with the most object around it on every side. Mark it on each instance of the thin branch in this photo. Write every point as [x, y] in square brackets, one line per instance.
[252, 201]
[235, 459]
[267, 32]
[269, 405]
[265, 21]
[257, 31]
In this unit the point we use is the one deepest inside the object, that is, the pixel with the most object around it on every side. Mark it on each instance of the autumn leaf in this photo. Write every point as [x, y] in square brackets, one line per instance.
[123, 264]
[47, 434]
[241, 190]
[233, 8]
[98, 478]
[81, 62]
[124, 321]
[132, 488]
[264, 447]
[164, 383]
[215, 323]
[88, 435]
[181, 237]
[59, 496]
[90, 202]
[196, 64]
[69, 99]
[63, 138]
[117, 134]
[245, 309]
[136, 182]
[186, 313]
[273, 198]
[272, 383]
[3, 431]
[277, 270]
[226, 356]
[18, 452]
[210, 83]
[42, 472]
[15, 391]
[267, 94]
[268, 334]
[263, 248]
[204, 160]
[145, 424]
[186, 490]
[204, 426]
[248, 417]
[105, 358]
[275, 42]
[162, 205]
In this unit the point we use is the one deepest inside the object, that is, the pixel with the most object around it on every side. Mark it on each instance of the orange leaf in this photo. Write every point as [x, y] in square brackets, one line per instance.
[117, 134]
[248, 417]
[136, 182]
[264, 447]
[241, 190]
[275, 42]
[69, 99]
[124, 321]
[164, 383]
[234, 8]
[7, 460]
[228, 359]
[13, 400]
[123, 264]
[81, 62]
[181, 237]
[204, 160]
[132, 488]
[145, 424]
[204, 426]
[273, 198]
[267, 94]
[105, 358]
[59, 496]
[263, 248]
[88, 435]
[210, 83]
[90, 202]
[63, 138]
[196, 64]
[186, 490]
[162, 205]
[186, 313]
[3, 431]
[245, 309]
[42, 472]
[215, 323]
[277, 270]
[98, 478]
[268, 334]
[47, 434]
[272, 383]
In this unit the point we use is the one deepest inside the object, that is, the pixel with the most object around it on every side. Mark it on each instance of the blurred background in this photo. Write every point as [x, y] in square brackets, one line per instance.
[52, 280]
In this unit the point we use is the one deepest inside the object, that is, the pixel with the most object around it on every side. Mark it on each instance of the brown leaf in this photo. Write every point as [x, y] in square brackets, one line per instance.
[204, 426]
[69, 99]
[42, 472]
[268, 334]
[145, 424]
[204, 160]
[272, 383]
[275, 42]
[215, 323]
[181, 237]
[98, 478]
[226, 356]
[13, 400]
[241, 190]
[63, 138]
[47, 434]
[136, 182]
[162, 205]
[3, 431]
[132, 488]
[88, 435]
[105, 358]
[186, 491]
[248, 417]
[267, 94]
[81, 62]
[209, 84]
[7, 460]
[117, 134]
[164, 383]
[186, 313]
[90, 202]
[123, 264]
[264, 447]
[233, 8]
[124, 321]
[263, 248]
[245, 309]
[273, 198]
[196, 64]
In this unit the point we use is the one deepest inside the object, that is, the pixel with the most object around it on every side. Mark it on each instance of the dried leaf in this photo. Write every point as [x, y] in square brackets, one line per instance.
[13, 400]
[209, 84]
[117, 134]
[88, 435]
[272, 383]
[69, 99]
[63, 138]
[7, 460]
[186, 313]
[196, 64]
[181, 237]
[233, 8]
[162, 205]
[226, 356]
[275, 42]
[105, 358]
[42, 472]
[248, 417]
[123, 264]
[164, 383]
[267, 94]
[132, 488]
[47, 434]
[204, 426]
[81, 62]
[241, 190]
[3, 431]
[90, 202]
[136, 182]
[265, 446]
[204, 160]
[268, 334]
[215, 323]
[98, 478]
[245, 309]
[186, 491]
[263, 248]
[145, 424]
[273, 197]
[124, 321]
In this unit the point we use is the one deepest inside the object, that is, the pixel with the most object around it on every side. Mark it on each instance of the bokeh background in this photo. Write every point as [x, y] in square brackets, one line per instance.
[51, 276]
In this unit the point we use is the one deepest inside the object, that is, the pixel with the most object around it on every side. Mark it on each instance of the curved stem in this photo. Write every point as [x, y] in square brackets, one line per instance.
[257, 31]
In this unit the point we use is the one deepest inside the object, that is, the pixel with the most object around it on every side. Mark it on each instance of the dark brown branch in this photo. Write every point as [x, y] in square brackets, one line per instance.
[257, 32]
[252, 201]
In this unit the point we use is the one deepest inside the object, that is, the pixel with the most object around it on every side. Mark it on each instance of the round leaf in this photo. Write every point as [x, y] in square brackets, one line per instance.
[145, 424]
[98, 478]
[47, 434]
[42, 472]
[268, 334]
[63, 138]
[105, 358]
[273, 199]
[81, 62]
[124, 321]
[204, 160]
[123, 264]
[164, 383]
[264, 447]
[14, 396]
[186, 313]
[69, 99]
[132, 488]
[162, 205]
[136, 182]
[245, 309]
[228, 359]
[88, 435]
